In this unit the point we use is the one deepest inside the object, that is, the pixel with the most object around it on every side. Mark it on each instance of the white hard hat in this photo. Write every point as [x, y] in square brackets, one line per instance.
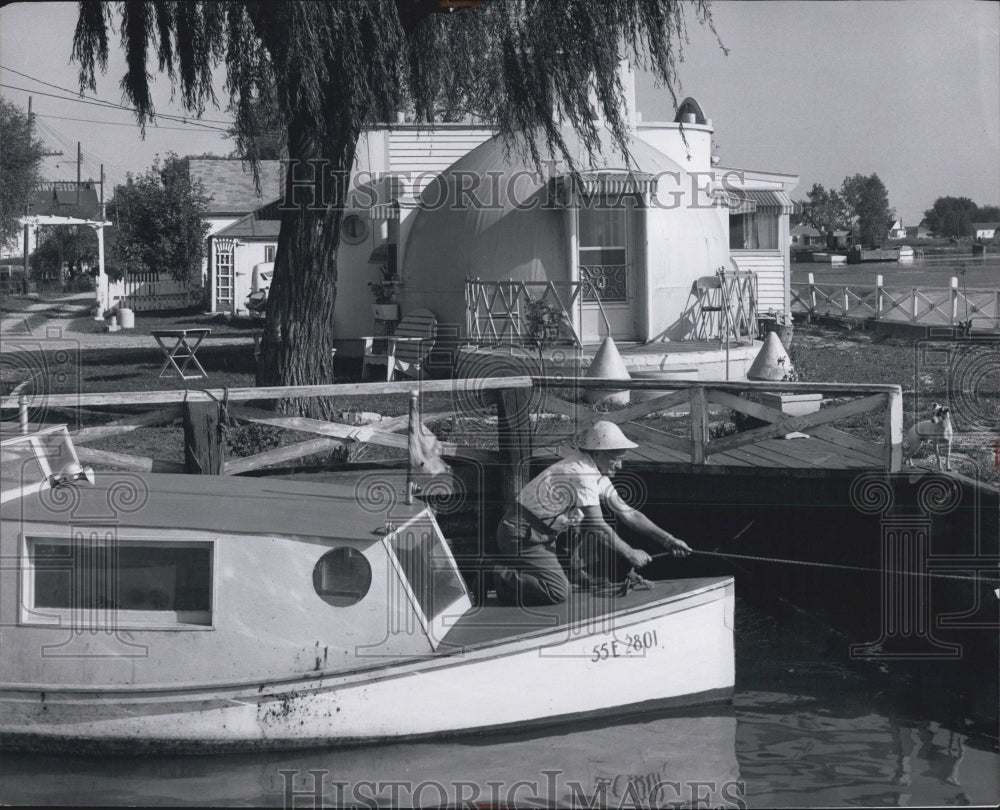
[605, 435]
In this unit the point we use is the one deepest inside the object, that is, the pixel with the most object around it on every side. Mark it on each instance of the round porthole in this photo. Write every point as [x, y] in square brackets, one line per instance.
[353, 229]
[342, 576]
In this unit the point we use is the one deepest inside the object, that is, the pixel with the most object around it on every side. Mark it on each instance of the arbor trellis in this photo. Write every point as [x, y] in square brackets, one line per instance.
[332, 69]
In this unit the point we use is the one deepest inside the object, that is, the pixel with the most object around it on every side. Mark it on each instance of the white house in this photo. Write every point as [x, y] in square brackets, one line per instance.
[624, 240]
[985, 230]
[897, 230]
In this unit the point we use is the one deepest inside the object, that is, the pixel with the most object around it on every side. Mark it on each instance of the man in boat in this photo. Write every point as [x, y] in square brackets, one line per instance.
[567, 497]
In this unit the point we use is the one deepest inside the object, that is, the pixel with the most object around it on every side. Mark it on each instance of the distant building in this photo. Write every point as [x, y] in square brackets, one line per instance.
[919, 232]
[805, 236]
[896, 230]
[985, 230]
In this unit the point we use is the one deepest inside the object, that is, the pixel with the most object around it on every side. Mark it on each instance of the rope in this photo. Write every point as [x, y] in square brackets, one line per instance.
[837, 566]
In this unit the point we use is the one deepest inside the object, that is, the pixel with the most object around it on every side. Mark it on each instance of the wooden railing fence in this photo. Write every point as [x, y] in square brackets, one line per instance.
[522, 403]
[930, 306]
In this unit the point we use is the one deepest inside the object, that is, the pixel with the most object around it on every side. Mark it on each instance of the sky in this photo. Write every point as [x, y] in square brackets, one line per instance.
[824, 90]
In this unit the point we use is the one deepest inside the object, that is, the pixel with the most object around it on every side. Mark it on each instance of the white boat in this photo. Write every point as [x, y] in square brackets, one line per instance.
[154, 612]
[906, 254]
[830, 258]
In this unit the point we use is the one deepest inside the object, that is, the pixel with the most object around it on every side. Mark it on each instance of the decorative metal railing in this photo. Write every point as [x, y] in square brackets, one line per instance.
[496, 310]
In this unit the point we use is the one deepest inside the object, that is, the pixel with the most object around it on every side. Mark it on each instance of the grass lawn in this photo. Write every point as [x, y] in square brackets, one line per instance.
[970, 382]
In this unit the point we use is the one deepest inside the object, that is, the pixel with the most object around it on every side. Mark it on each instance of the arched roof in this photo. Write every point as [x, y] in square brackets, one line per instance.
[689, 105]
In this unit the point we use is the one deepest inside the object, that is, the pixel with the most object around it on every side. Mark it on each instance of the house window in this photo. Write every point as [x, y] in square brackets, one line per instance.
[602, 253]
[269, 251]
[107, 582]
[353, 229]
[756, 231]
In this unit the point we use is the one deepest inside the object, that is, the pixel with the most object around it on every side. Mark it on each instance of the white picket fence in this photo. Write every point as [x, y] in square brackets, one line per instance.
[145, 292]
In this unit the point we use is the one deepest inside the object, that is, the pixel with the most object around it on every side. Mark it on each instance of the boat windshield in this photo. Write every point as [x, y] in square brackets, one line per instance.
[431, 573]
[31, 459]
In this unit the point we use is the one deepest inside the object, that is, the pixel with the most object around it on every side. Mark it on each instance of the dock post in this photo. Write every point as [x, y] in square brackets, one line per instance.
[893, 429]
[202, 439]
[812, 295]
[513, 439]
[913, 304]
[878, 296]
[953, 309]
[699, 424]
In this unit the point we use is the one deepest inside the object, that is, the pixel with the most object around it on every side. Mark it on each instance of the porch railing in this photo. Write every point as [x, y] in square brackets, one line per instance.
[496, 310]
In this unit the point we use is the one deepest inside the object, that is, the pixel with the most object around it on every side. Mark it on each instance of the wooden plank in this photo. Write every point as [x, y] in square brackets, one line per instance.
[127, 424]
[744, 457]
[632, 412]
[658, 438]
[281, 392]
[123, 461]
[202, 439]
[892, 428]
[839, 437]
[279, 455]
[363, 433]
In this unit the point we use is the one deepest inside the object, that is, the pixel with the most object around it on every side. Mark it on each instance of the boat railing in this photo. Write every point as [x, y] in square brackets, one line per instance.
[689, 424]
[954, 305]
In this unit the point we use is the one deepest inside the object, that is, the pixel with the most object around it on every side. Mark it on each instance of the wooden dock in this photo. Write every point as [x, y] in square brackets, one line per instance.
[680, 425]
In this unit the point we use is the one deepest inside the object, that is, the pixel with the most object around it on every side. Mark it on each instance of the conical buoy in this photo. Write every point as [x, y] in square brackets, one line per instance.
[607, 363]
[771, 363]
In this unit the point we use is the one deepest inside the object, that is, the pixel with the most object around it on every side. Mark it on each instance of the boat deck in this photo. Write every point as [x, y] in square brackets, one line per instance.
[493, 622]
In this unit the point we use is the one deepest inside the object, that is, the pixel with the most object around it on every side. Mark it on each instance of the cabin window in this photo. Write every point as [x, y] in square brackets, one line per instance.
[756, 231]
[127, 582]
[428, 567]
[342, 576]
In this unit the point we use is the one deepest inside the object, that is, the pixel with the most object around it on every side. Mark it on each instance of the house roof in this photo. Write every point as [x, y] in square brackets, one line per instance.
[230, 187]
[264, 223]
[985, 226]
[63, 202]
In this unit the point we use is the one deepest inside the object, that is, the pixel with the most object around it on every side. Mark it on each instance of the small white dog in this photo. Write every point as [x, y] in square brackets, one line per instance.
[936, 430]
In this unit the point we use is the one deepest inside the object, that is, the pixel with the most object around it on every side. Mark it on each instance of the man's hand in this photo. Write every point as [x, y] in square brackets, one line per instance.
[679, 548]
[637, 557]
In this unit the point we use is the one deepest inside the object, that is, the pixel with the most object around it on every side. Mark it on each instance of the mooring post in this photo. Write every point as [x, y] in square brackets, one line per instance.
[513, 439]
[699, 424]
[812, 294]
[893, 429]
[202, 441]
[953, 309]
[878, 297]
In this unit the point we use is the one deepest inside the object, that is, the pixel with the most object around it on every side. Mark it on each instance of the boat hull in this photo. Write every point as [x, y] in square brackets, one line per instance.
[675, 651]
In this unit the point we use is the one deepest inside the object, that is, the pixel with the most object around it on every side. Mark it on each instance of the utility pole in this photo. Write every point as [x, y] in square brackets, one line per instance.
[79, 159]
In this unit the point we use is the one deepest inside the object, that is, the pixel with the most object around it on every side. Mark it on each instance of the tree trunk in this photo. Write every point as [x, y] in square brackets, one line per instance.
[297, 345]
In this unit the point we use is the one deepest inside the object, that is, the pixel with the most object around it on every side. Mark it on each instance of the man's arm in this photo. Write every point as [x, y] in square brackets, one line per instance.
[636, 521]
[593, 521]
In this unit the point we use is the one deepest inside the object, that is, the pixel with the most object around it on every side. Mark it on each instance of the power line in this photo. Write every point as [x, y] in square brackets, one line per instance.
[100, 100]
[107, 105]
[112, 123]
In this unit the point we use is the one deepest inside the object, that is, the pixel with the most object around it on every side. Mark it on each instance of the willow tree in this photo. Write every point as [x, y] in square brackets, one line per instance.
[332, 69]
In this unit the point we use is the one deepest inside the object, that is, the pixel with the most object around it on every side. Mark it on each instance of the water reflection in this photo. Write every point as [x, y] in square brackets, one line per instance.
[667, 761]
[793, 754]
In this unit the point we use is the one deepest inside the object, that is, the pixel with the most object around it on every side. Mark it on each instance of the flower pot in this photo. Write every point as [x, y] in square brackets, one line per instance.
[386, 312]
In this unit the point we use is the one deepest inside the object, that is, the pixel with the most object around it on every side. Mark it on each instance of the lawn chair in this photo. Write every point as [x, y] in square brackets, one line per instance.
[405, 350]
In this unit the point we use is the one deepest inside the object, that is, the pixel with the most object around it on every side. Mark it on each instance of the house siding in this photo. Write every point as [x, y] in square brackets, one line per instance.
[769, 266]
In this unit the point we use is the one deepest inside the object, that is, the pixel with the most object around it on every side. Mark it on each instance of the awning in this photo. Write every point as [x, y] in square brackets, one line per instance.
[384, 211]
[606, 182]
[773, 199]
[735, 200]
